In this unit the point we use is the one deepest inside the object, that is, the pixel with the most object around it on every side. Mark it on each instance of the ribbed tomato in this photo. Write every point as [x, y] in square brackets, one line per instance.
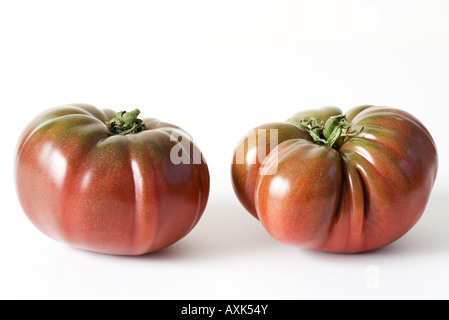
[338, 183]
[107, 182]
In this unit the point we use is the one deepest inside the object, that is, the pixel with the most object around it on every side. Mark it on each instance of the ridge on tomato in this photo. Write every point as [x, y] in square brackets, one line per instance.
[105, 181]
[337, 183]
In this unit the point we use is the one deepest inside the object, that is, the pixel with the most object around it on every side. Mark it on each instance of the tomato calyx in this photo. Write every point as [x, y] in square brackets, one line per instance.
[330, 133]
[126, 123]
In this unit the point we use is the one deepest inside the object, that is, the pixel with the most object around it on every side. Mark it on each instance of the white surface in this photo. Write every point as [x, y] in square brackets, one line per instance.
[218, 69]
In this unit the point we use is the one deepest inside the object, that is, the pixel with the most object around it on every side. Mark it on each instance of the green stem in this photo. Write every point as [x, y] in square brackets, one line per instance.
[126, 123]
[331, 133]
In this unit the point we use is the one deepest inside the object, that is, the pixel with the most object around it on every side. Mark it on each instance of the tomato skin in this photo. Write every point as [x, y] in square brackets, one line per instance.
[245, 170]
[363, 196]
[114, 194]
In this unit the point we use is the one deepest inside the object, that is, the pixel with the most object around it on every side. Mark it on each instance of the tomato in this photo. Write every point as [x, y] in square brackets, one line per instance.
[337, 183]
[107, 182]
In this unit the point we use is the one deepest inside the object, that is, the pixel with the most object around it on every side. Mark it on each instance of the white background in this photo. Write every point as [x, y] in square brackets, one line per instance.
[217, 69]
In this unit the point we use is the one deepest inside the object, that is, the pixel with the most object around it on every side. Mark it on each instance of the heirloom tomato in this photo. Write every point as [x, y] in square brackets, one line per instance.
[338, 183]
[110, 182]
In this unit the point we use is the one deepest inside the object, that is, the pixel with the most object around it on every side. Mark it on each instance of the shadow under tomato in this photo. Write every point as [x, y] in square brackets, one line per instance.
[225, 229]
